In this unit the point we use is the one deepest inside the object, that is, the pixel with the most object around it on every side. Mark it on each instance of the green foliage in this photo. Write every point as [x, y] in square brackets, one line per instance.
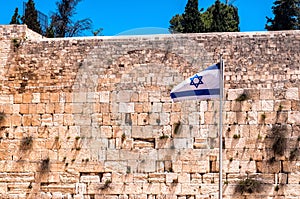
[177, 127]
[2, 117]
[50, 32]
[272, 160]
[77, 137]
[106, 185]
[98, 32]
[164, 136]
[192, 18]
[45, 165]
[224, 18]
[219, 17]
[279, 144]
[15, 19]
[248, 186]
[123, 137]
[62, 24]
[30, 17]
[128, 169]
[236, 136]
[280, 107]
[259, 137]
[286, 15]
[176, 24]
[26, 143]
[263, 117]
[244, 96]
[293, 154]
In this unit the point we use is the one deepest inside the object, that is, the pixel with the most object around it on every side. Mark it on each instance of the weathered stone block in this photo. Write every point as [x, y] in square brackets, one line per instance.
[292, 94]
[126, 107]
[293, 117]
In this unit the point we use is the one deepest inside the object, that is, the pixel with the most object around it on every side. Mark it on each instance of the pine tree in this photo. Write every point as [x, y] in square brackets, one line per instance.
[176, 25]
[15, 19]
[286, 15]
[30, 17]
[191, 22]
[219, 17]
[224, 18]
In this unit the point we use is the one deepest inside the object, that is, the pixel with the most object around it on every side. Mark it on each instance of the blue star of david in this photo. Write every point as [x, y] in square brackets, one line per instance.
[197, 82]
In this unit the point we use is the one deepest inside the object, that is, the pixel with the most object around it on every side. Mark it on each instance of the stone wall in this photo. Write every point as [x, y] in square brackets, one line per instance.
[92, 117]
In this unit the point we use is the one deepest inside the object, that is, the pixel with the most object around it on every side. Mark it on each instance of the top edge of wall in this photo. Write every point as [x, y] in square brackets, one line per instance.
[14, 31]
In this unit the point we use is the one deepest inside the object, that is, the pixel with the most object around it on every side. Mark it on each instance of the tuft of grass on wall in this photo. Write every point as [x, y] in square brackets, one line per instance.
[2, 117]
[248, 185]
[242, 97]
[280, 142]
[45, 165]
[26, 143]
[106, 185]
[177, 126]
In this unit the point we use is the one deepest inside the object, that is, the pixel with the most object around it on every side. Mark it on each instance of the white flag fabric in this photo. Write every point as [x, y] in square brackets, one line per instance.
[203, 85]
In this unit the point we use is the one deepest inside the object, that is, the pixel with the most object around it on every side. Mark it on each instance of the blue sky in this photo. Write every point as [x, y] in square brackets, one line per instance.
[117, 16]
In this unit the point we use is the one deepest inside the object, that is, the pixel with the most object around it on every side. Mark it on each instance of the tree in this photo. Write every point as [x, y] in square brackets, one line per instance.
[286, 15]
[62, 24]
[224, 18]
[219, 17]
[30, 18]
[15, 19]
[50, 31]
[97, 32]
[191, 18]
[176, 24]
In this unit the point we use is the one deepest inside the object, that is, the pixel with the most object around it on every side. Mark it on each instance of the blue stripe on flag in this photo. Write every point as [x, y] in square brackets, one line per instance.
[199, 92]
[214, 67]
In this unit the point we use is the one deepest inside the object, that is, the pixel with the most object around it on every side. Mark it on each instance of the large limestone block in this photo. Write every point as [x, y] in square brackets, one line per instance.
[294, 117]
[233, 94]
[292, 94]
[126, 107]
[266, 94]
[267, 105]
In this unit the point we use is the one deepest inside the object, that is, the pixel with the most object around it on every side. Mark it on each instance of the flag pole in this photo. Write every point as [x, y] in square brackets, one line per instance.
[221, 127]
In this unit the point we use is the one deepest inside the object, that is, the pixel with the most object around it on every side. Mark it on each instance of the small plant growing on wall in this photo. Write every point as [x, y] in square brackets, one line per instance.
[293, 154]
[2, 117]
[177, 126]
[242, 97]
[164, 137]
[106, 185]
[248, 186]
[26, 143]
[45, 165]
[272, 160]
[236, 136]
[123, 137]
[280, 142]
[77, 137]
[263, 117]
[16, 43]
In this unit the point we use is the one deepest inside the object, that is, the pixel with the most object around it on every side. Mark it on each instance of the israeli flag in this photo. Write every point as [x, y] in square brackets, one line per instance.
[203, 85]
